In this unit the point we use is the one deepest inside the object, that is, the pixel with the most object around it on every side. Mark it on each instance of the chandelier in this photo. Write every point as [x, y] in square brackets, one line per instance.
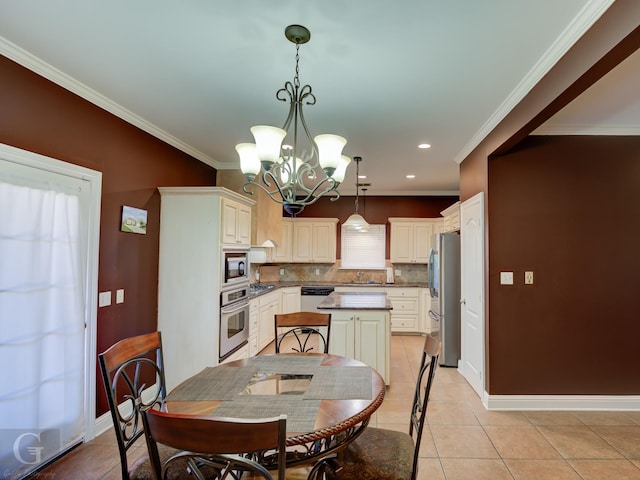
[290, 173]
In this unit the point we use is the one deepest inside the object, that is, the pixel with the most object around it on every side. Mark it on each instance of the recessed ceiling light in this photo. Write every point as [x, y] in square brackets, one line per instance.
[424, 145]
[362, 176]
[411, 176]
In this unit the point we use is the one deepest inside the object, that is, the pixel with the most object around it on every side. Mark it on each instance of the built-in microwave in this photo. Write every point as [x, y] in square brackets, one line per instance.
[235, 267]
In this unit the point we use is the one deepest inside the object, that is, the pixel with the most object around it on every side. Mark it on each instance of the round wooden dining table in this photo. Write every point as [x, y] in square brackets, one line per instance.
[328, 399]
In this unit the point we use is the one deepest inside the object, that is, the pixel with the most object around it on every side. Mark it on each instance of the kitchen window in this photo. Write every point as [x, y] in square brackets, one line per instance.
[363, 249]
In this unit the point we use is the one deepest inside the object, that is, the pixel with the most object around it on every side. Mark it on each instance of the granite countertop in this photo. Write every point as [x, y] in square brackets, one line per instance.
[365, 286]
[356, 301]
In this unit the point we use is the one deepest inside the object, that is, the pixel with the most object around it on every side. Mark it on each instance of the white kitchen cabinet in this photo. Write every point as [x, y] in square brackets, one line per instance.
[363, 335]
[284, 251]
[236, 223]
[451, 218]
[290, 299]
[410, 239]
[314, 240]
[189, 277]
[406, 309]
[254, 317]
[269, 305]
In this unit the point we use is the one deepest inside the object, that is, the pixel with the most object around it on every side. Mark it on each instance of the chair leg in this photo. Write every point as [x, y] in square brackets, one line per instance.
[325, 468]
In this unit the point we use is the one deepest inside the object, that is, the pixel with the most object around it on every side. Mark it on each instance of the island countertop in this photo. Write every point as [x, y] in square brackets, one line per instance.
[356, 301]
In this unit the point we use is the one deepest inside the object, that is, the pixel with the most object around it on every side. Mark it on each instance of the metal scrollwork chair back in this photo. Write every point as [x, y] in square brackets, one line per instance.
[215, 447]
[302, 332]
[385, 454]
[133, 375]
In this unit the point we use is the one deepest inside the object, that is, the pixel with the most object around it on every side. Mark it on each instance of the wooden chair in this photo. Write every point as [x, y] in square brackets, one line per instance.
[133, 373]
[386, 454]
[214, 447]
[303, 331]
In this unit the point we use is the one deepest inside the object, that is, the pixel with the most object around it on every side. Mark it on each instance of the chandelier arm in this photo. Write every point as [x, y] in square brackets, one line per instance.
[278, 190]
[332, 185]
[288, 89]
[305, 93]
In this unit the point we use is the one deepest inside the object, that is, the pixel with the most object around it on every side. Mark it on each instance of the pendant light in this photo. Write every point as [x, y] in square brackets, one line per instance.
[356, 221]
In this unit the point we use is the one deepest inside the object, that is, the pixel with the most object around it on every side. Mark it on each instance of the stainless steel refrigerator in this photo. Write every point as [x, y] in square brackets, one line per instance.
[444, 287]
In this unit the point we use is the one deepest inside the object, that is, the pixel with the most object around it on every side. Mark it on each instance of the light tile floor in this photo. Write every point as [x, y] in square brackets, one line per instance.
[462, 440]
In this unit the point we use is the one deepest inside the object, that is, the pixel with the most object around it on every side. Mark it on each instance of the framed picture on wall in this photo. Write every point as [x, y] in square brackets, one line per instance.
[134, 220]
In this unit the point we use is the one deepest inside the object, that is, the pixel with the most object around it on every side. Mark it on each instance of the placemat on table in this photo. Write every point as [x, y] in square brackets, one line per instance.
[290, 364]
[213, 383]
[301, 414]
[340, 383]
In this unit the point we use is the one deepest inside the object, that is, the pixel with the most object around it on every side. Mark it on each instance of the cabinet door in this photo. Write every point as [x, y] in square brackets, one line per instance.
[282, 253]
[244, 225]
[229, 221]
[371, 339]
[402, 238]
[423, 234]
[323, 242]
[342, 340]
[302, 242]
[290, 300]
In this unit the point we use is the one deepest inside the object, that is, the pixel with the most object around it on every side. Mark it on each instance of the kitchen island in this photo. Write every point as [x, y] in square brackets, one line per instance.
[361, 328]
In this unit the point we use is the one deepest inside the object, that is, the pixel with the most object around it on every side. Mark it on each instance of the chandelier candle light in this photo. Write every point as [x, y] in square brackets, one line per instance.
[289, 172]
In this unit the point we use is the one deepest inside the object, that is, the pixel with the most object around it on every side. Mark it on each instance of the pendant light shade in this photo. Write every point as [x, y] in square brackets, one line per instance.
[355, 220]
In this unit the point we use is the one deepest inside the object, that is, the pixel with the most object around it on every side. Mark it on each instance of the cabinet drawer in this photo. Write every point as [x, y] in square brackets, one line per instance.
[401, 323]
[404, 305]
[253, 345]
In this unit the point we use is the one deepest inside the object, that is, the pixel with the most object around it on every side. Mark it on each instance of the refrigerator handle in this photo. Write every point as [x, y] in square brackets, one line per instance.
[430, 272]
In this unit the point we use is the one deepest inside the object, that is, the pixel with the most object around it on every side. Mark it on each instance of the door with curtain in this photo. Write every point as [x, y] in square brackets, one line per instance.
[48, 285]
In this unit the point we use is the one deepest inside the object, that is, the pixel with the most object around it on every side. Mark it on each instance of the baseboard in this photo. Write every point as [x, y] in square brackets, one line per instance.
[105, 422]
[563, 402]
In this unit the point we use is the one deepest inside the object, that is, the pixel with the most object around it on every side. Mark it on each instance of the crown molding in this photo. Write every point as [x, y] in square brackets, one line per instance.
[36, 65]
[604, 130]
[586, 18]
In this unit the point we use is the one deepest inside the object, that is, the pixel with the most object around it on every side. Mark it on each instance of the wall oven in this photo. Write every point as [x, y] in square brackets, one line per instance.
[235, 267]
[234, 320]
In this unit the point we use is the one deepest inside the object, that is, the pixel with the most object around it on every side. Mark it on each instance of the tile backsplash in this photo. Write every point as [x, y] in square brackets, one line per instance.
[324, 272]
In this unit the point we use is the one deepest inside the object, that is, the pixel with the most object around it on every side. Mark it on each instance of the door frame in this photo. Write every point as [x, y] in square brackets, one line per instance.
[94, 182]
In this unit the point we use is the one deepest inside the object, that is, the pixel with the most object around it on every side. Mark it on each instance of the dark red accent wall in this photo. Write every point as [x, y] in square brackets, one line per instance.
[565, 208]
[39, 116]
[377, 210]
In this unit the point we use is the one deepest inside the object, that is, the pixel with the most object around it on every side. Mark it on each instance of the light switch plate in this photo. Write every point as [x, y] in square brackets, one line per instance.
[104, 299]
[120, 296]
[506, 278]
[398, 272]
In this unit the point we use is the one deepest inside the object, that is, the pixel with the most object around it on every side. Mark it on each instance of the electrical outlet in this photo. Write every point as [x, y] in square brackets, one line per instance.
[317, 271]
[120, 296]
[282, 271]
[398, 272]
[528, 278]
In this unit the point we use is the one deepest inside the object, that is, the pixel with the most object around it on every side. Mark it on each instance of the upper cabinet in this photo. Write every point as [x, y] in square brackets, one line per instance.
[451, 218]
[306, 240]
[314, 240]
[236, 223]
[410, 239]
[282, 253]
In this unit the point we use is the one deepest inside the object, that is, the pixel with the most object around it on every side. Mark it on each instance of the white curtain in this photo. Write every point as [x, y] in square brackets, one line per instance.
[41, 326]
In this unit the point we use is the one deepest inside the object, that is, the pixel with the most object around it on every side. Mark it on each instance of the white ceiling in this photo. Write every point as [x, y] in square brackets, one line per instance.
[387, 75]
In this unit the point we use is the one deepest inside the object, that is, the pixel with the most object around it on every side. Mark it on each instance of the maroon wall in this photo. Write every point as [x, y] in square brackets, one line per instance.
[565, 208]
[42, 117]
[376, 210]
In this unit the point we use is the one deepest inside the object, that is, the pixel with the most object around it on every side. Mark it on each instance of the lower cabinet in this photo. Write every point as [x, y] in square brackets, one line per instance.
[269, 305]
[254, 307]
[406, 309]
[363, 335]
